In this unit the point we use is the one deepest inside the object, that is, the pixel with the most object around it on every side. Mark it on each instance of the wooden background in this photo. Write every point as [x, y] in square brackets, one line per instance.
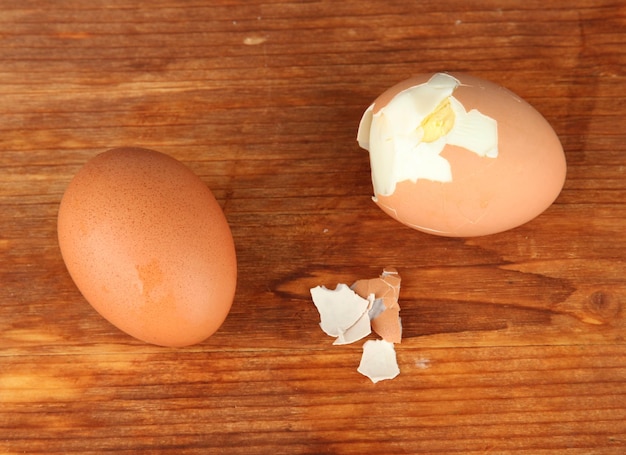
[514, 343]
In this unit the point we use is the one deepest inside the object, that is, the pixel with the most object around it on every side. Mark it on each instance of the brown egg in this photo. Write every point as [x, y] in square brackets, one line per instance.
[148, 246]
[456, 155]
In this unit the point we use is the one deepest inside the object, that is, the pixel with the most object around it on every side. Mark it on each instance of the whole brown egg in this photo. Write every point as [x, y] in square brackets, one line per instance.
[148, 246]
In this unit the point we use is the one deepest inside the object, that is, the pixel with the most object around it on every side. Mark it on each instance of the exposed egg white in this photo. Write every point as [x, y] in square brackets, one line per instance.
[406, 137]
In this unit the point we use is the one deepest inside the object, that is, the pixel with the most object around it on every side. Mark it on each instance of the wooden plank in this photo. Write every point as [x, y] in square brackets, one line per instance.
[513, 343]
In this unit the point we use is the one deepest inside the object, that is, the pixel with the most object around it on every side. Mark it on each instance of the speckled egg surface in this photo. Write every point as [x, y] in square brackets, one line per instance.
[148, 246]
[456, 155]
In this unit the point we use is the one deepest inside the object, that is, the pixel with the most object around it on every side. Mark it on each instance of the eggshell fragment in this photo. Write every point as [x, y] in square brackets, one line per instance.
[343, 313]
[349, 313]
[456, 155]
[148, 246]
[385, 310]
[378, 361]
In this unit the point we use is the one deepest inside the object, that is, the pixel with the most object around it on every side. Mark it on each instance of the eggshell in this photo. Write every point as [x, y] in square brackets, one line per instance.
[350, 314]
[486, 194]
[378, 361]
[148, 246]
[385, 310]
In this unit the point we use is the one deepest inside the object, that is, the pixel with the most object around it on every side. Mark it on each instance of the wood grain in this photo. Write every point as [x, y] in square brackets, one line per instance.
[514, 343]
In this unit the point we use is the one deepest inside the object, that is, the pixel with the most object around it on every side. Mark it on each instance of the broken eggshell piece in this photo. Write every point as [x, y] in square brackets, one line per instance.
[384, 313]
[343, 313]
[350, 313]
[378, 361]
[456, 155]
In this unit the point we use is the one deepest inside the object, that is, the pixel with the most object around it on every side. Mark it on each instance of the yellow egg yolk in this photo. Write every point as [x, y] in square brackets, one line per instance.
[438, 123]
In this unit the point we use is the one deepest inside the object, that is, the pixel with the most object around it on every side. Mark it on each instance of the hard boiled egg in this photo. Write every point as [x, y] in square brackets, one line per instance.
[148, 246]
[456, 155]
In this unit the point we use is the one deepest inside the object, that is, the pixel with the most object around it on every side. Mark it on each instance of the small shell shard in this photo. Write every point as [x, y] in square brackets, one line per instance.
[379, 361]
[378, 306]
[389, 325]
[360, 329]
[350, 313]
[385, 310]
[340, 309]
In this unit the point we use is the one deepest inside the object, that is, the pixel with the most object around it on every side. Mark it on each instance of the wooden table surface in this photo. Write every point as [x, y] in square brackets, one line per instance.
[513, 343]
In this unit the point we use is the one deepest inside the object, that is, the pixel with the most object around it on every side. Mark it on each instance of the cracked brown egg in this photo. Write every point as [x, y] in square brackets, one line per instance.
[459, 156]
[148, 246]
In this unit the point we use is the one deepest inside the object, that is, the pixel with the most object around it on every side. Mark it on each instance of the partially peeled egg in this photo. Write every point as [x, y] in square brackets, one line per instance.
[459, 156]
